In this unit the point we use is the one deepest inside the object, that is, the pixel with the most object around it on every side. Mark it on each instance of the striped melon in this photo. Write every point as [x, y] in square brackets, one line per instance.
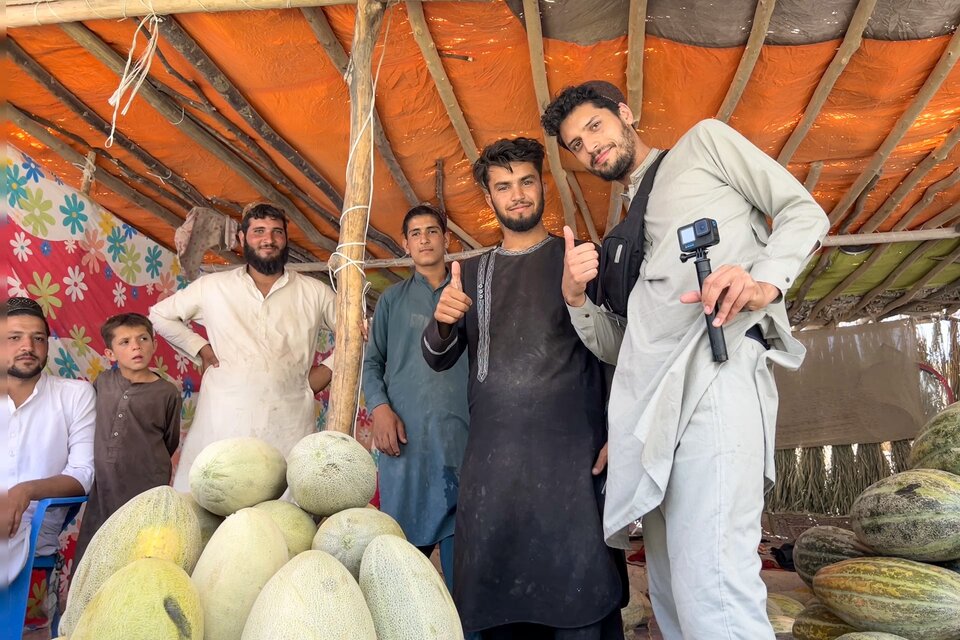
[816, 622]
[938, 445]
[870, 635]
[149, 599]
[913, 515]
[312, 597]
[244, 553]
[781, 605]
[781, 623]
[231, 474]
[953, 565]
[296, 524]
[329, 472]
[208, 521]
[893, 595]
[406, 595]
[345, 535]
[157, 523]
[820, 546]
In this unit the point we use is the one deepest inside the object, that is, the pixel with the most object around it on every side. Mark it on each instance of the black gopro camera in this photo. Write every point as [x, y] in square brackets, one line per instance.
[701, 234]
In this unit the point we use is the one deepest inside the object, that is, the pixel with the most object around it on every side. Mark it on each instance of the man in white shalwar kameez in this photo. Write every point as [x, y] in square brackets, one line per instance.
[691, 441]
[262, 324]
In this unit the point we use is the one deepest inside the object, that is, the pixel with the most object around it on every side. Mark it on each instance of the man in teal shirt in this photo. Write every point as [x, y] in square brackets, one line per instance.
[420, 416]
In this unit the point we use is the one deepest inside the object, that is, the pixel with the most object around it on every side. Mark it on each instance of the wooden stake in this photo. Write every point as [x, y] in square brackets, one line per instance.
[851, 43]
[636, 36]
[940, 72]
[531, 17]
[584, 209]
[344, 392]
[758, 33]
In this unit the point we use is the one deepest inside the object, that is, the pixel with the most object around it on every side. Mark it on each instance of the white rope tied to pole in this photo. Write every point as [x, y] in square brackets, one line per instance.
[135, 73]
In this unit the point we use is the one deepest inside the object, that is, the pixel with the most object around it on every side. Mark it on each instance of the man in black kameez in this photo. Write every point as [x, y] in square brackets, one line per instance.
[530, 560]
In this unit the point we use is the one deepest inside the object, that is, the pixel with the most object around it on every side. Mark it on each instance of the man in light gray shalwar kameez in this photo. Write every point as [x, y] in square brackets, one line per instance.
[691, 441]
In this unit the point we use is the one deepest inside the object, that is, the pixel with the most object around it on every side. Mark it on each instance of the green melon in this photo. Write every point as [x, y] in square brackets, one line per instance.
[312, 597]
[296, 524]
[913, 515]
[870, 635]
[821, 546]
[208, 521]
[938, 445]
[235, 473]
[157, 523]
[329, 472]
[244, 553]
[816, 622]
[781, 623]
[406, 596]
[781, 605]
[893, 595]
[148, 599]
[345, 535]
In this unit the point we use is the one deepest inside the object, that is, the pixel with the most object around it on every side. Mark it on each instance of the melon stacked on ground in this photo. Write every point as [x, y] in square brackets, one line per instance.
[894, 576]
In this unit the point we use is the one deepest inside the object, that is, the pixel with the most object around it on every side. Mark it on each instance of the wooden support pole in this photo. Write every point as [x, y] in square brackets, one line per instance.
[930, 86]
[891, 277]
[584, 209]
[636, 37]
[113, 61]
[946, 299]
[813, 176]
[889, 237]
[906, 187]
[429, 50]
[851, 43]
[947, 261]
[758, 33]
[947, 216]
[350, 279]
[89, 168]
[531, 17]
[929, 195]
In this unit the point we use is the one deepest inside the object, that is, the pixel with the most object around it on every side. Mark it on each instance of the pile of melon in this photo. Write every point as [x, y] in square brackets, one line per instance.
[897, 574]
[232, 561]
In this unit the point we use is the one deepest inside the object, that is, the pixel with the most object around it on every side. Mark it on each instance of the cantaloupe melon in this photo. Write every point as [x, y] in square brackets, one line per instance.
[296, 524]
[312, 597]
[345, 535]
[157, 523]
[913, 515]
[329, 472]
[821, 546]
[816, 622]
[244, 553]
[938, 445]
[148, 599]
[406, 596]
[231, 474]
[208, 521]
[893, 595]
[779, 604]
[870, 635]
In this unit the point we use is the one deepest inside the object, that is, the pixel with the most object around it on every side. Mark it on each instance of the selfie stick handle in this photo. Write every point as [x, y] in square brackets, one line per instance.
[717, 343]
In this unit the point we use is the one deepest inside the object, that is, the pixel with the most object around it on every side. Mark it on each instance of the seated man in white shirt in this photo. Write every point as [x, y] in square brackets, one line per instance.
[46, 425]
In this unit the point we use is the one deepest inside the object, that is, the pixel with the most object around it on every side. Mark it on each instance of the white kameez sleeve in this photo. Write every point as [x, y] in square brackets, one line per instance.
[170, 318]
[599, 331]
[80, 431]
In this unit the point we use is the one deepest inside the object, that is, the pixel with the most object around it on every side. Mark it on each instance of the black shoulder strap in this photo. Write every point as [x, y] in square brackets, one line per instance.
[638, 205]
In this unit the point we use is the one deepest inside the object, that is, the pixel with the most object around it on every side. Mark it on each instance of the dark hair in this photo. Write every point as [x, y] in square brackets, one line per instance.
[261, 211]
[602, 95]
[424, 209]
[20, 306]
[124, 320]
[503, 152]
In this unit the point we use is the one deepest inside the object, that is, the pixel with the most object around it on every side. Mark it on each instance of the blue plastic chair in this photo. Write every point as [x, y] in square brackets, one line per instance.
[13, 608]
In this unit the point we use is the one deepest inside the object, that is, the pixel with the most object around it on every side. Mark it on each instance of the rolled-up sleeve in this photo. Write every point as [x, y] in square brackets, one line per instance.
[80, 430]
[600, 331]
[171, 315]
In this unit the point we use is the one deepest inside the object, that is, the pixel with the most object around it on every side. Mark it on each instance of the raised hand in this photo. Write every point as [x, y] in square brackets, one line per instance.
[388, 430]
[581, 264]
[453, 303]
[733, 289]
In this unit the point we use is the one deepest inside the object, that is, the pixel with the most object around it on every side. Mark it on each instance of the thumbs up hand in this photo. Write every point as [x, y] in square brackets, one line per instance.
[581, 264]
[453, 303]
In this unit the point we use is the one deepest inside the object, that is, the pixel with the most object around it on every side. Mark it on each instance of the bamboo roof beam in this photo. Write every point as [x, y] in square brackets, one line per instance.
[929, 195]
[946, 298]
[421, 33]
[584, 209]
[113, 61]
[930, 87]
[28, 13]
[758, 33]
[636, 37]
[947, 261]
[531, 18]
[908, 261]
[328, 40]
[851, 43]
[813, 176]
[906, 187]
[946, 216]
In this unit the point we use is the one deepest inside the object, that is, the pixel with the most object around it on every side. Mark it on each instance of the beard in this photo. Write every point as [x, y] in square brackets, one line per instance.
[26, 374]
[266, 266]
[621, 166]
[522, 224]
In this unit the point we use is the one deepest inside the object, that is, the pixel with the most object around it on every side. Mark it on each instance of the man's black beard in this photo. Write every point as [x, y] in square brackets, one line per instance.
[269, 267]
[27, 375]
[520, 225]
[619, 169]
